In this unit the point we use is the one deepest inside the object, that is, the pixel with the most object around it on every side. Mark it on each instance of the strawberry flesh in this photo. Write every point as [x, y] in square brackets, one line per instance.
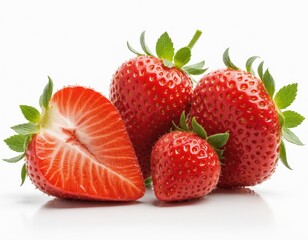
[83, 150]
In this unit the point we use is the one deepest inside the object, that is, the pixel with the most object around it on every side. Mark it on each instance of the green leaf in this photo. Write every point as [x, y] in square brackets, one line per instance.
[133, 50]
[283, 155]
[16, 143]
[193, 71]
[148, 182]
[218, 140]
[47, 93]
[227, 60]
[15, 159]
[177, 128]
[23, 174]
[26, 128]
[285, 96]
[182, 57]
[198, 129]
[28, 137]
[198, 65]
[144, 46]
[30, 113]
[291, 137]
[168, 64]
[281, 118]
[269, 83]
[41, 101]
[260, 70]
[183, 124]
[249, 64]
[164, 47]
[292, 119]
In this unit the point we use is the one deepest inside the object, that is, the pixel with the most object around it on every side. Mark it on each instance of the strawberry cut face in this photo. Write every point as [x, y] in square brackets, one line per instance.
[83, 150]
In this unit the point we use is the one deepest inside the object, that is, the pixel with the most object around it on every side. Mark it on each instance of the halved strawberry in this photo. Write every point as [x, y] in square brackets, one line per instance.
[77, 147]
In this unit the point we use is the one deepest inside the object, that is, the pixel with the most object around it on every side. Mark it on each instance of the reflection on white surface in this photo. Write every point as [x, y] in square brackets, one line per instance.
[238, 211]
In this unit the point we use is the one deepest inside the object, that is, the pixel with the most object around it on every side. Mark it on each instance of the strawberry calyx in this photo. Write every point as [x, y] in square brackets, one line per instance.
[25, 131]
[217, 141]
[282, 99]
[148, 182]
[166, 52]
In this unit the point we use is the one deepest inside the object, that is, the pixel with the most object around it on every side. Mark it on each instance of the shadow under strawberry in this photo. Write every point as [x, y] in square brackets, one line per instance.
[58, 203]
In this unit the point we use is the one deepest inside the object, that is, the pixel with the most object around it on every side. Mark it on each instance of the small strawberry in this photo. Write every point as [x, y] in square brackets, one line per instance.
[185, 164]
[150, 92]
[77, 147]
[237, 101]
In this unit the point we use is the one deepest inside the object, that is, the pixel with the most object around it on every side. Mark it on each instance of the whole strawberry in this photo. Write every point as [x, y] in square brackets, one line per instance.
[237, 101]
[185, 164]
[150, 92]
[77, 147]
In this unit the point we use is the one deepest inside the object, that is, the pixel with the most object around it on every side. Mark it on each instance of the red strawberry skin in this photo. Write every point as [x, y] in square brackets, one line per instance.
[149, 96]
[236, 101]
[184, 166]
[83, 150]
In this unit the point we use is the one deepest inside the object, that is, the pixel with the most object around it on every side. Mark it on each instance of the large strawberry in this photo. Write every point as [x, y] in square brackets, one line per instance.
[237, 101]
[77, 147]
[185, 164]
[150, 92]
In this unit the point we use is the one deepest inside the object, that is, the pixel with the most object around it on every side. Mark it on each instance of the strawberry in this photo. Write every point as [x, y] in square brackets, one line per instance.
[237, 101]
[77, 147]
[150, 92]
[185, 164]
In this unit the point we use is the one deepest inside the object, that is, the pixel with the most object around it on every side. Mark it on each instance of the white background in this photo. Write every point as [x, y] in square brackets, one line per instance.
[83, 42]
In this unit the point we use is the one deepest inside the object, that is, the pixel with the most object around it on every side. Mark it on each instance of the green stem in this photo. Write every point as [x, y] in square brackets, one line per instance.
[194, 39]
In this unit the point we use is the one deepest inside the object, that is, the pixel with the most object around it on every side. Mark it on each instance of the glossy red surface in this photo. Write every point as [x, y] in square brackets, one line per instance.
[149, 96]
[236, 101]
[184, 166]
